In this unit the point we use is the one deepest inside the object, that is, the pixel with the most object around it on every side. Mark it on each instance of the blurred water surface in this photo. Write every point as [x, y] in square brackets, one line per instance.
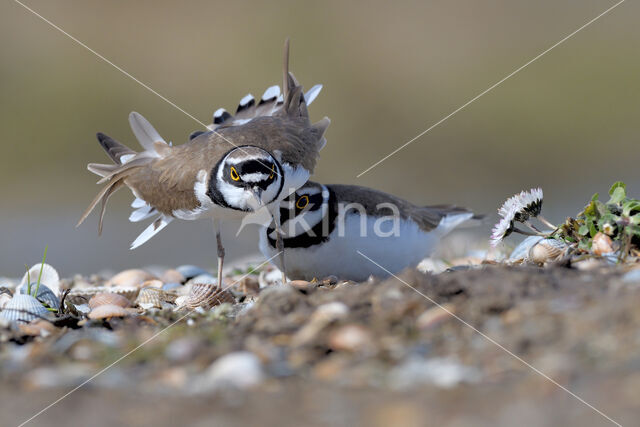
[568, 122]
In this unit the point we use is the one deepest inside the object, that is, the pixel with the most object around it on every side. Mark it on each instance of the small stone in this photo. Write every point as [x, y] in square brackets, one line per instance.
[130, 278]
[107, 311]
[173, 276]
[190, 271]
[601, 244]
[350, 338]
[237, 370]
[435, 316]
[303, 285]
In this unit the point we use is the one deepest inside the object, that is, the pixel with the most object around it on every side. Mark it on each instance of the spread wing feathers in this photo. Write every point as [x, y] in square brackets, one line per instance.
[144, 132]
[161, 222]
[292, 102]
[117, 151]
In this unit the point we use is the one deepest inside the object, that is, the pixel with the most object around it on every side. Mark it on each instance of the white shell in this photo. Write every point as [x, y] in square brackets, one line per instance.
[50, 277]
[521, 252]
[45, 295]
[24, 308]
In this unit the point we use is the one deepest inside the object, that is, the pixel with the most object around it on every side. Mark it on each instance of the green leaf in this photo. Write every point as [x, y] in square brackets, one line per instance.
[617, 196]
[583, 230]
[592, 229]
[616, 185]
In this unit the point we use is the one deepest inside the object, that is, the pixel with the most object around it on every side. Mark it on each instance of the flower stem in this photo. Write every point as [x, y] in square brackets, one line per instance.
[531, 226]
[545, 222]
[526, 233]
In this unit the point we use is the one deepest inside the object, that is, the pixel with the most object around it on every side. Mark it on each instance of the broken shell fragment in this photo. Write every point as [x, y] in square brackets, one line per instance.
[106, 298]
[601, 244]
[107, 311]
[547, 250]
[23, 308]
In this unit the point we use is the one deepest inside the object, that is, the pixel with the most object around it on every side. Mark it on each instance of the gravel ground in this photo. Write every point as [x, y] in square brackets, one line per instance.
[376, 353]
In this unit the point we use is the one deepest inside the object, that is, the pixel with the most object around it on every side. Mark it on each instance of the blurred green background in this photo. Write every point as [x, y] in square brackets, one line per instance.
[569, 122]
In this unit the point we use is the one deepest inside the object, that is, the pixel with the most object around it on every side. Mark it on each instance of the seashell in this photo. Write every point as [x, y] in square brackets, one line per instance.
[205, 278]
[130, 278]
[601, 244]
[106, 298]
[45, 295]
[82, 295]
[190, 271]
[154, 283]
[547, 250]
[152, 297]
[173, 276]
[4, 299]
[206, 296]
[23, 308]
[521, 252]
[50, 277]
[107, 311]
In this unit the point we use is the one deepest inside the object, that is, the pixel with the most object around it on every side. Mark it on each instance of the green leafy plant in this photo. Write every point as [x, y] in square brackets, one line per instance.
[618, 218]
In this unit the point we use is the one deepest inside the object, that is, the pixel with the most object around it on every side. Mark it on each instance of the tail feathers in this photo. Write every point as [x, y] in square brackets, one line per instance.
[154, 228]
[451, 221]
[142, 213]
[102, 197]
[146, 134]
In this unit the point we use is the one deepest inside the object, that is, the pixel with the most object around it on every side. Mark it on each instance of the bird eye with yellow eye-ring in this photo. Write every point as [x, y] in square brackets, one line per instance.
[234, 174]
[273, 171]
[302, 202]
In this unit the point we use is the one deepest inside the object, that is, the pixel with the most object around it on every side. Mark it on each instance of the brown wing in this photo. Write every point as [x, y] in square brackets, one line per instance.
[427, 217]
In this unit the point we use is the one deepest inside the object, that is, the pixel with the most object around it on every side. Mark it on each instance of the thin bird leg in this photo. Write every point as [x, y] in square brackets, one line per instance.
[280, 244]
[216, 226]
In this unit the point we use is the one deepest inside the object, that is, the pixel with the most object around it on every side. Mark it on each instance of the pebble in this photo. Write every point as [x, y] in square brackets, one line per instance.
[104, 298]
[129, 278]
[107, 311]
[351, 338]
[435, 316]
[601, 244]
[190, 271]
[173, 276]
[303, 285]
[442, 372]
[236, 370]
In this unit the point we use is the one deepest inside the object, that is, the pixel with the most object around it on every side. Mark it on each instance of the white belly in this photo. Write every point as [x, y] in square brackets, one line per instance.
[339, 255]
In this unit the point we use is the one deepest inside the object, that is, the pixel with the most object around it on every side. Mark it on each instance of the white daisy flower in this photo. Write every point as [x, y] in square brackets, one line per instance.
[524, 205]
[531, 201]
[504, 227]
